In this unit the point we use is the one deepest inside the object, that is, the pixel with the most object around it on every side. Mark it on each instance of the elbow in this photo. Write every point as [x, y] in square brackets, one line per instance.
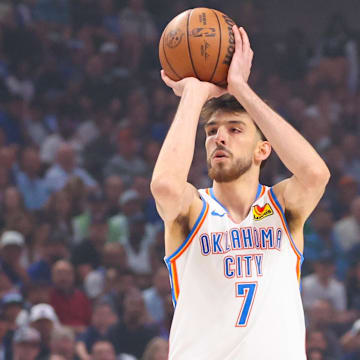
[164, 188]
[319, 176]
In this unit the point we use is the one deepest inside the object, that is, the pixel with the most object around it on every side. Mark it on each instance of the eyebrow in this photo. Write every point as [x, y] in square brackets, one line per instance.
[214, 122]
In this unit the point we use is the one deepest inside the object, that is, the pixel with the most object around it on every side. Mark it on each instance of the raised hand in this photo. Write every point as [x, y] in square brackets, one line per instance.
[241, 62]
[210, 90]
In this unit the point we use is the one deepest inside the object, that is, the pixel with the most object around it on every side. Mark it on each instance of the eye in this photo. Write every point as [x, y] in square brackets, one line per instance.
[211, 132]
[235, 130]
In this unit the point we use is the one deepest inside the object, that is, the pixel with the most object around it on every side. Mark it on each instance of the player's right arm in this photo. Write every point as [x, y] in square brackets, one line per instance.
[176, 199]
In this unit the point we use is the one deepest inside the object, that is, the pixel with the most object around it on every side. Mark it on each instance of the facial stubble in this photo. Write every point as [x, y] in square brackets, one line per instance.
[223, 172]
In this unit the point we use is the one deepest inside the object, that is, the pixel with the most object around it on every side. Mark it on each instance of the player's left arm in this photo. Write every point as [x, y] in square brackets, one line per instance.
[299, 194]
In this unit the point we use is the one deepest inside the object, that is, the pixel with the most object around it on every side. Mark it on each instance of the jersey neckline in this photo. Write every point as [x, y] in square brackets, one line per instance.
[260, 191]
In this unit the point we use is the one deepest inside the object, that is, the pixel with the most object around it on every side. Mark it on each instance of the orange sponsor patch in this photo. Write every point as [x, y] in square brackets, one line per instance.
[261, 212]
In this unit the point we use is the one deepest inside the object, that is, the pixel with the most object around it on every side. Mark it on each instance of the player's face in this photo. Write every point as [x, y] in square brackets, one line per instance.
[230, 143]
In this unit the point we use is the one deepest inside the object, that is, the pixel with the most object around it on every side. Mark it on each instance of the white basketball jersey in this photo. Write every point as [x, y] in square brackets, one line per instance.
[236, 287]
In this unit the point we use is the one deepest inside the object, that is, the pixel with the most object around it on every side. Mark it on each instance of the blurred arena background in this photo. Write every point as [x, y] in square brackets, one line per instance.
[83, 114]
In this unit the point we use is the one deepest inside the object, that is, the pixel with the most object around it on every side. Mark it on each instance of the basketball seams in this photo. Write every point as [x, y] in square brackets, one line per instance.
[202, 55]
[165, 56]
[188, 42]
[218, 56]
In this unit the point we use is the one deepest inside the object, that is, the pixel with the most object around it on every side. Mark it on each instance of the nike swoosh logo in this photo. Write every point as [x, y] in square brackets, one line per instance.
[214, 213]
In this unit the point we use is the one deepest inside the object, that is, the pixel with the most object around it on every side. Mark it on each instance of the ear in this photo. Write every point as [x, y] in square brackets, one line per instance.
[262, 151]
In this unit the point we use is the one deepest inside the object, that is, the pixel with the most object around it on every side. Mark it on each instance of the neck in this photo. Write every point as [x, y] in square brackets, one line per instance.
[238, 195]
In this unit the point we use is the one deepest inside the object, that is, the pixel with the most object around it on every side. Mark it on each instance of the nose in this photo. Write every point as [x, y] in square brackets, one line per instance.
[220, 137]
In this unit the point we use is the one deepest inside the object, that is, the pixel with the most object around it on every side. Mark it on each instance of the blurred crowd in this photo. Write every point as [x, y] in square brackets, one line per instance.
[83, 114]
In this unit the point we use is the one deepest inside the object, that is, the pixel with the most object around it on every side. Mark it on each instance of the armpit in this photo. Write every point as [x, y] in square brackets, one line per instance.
[183, 222]
[293, 220]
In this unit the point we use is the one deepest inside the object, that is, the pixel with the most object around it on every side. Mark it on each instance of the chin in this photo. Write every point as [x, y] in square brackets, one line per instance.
[223, 173]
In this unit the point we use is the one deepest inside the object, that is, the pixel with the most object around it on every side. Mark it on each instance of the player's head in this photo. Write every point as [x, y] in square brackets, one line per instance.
[234, 143]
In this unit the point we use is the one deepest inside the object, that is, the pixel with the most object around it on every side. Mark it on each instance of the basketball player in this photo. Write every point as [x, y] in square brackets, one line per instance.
[234, 251]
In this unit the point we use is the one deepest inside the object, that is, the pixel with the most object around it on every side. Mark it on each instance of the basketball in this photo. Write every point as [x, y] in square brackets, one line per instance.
[200, 43]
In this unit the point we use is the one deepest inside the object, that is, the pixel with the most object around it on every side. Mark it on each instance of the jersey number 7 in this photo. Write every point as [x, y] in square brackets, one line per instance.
[246, 291]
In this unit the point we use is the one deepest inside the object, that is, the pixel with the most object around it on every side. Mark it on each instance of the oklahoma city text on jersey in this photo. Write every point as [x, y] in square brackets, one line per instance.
[241, 239]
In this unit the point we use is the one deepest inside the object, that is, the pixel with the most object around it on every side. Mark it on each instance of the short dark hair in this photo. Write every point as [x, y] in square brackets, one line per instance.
[225, 103]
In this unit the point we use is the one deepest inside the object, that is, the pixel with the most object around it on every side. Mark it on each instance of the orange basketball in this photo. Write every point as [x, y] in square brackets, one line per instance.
[200, 43]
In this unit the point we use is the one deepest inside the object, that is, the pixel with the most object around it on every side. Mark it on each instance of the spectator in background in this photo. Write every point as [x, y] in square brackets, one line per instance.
[131, 204]
[336, 56]
[10, 121]
[155, 296]
[317, 344]
[62, 343]
[322, 284]
[117, 284]
[71, 305]
[53, 249]
[138, 32]
[109, 15]
[348, 228]
[95, 85]
[96, 207]
[12, 245]
[26, 344]
[142, 186]
[20, 82]
[86, 256]
[4, 327]
[351, 153]
[157, 250]
[323, 238]
[42, 317]
[59, 214]
[322, 317]
[65, 168]
[165, 325]
[351, 342]
[93, 158]
[104, 350]
[34, 190]
[113, 188]
[77, 191]
[353, 288]
[6, 285]
[346, 190]
[156, 349]
[33, 118]
[103, 318]
[113, 257]
[8, 156]
[11, 306]
[13, 203]
[53, 141]
[134, 330]
[137, 246]
[325, 108]
[4, 184]
[37, 293]
[126, 162]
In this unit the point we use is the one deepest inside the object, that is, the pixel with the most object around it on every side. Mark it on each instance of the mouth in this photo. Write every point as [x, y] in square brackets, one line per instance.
[220, 154]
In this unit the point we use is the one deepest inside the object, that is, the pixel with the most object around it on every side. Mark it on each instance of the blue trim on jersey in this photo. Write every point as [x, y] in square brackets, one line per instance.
[287, 225]
[301, 262]
[213, 196]
[168, 258]
[168, 265]
[258, 191]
